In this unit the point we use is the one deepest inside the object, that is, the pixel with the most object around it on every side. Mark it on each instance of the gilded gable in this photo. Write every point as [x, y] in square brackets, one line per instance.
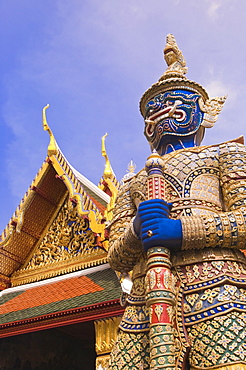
[68, 245]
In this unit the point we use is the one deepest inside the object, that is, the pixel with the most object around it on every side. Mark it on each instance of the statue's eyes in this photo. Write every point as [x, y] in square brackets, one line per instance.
[149, 113]
[169, 102]
[153, 108]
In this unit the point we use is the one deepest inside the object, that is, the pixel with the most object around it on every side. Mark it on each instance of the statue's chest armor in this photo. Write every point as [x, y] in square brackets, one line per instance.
[192, 181]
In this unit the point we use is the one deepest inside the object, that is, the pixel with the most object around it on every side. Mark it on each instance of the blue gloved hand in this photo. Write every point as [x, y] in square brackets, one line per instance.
[148, 210]
[154, 227]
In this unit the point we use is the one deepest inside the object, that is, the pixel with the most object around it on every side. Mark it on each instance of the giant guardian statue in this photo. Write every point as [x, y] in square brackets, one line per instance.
[179, 228]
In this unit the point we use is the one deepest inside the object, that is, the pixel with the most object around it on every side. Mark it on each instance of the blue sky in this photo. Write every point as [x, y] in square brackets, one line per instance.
[92, 60]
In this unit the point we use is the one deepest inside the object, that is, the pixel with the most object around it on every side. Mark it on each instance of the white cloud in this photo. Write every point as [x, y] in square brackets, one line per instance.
[218, 88]
[214, 8]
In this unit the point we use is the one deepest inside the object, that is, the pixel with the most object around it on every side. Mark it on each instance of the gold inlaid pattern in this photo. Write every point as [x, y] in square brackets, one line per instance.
[218, 341]
[130, 351]
[206, 187]
[69, 241]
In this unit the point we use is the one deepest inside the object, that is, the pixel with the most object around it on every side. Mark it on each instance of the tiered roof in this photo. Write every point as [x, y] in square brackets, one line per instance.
[58, 228]
[82, 296]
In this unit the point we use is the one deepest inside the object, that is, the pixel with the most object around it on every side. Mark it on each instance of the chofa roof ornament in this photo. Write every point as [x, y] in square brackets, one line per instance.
[174, 78]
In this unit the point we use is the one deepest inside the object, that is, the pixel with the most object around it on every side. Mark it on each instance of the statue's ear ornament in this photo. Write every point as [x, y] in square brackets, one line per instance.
[212, 108]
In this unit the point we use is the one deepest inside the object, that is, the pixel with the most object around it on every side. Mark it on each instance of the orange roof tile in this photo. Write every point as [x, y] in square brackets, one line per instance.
[50, 293]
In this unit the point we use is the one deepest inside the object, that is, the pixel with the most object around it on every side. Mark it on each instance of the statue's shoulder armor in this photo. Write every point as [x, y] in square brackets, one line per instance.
[137, 185]
[233, 146]
[227, 146]
[142, 173]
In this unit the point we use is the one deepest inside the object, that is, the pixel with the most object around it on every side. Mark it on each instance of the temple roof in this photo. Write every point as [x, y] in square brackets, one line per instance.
[84, 295]
[56, 182]
[59, 227]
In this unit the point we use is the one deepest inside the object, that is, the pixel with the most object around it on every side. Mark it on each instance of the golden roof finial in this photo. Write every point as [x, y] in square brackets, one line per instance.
[108, 172]
[131, 167]
[130, 172]
[52, 148]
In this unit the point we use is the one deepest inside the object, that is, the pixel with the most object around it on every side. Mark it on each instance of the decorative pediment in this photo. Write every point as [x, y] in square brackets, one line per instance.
[60, 225]
[68, 245]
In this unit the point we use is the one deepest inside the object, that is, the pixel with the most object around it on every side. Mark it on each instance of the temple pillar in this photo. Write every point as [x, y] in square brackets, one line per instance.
[106, 333]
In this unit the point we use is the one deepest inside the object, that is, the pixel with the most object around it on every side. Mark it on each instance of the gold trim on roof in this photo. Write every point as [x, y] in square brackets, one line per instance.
[34, 212]
[22, 277]
[52, 148]
[55, 179]
[108, 172]
[85, 205]
[17, 219]
[67, 245]
[108, 183]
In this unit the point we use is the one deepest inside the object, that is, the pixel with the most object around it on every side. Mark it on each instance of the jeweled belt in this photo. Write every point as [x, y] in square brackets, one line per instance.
[184, 203]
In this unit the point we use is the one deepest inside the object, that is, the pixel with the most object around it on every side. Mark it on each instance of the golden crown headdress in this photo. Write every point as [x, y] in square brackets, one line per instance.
[174, 78]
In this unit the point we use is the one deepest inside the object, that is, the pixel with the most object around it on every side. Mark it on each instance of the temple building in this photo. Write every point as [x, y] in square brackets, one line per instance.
[176, 250]
[60, 305]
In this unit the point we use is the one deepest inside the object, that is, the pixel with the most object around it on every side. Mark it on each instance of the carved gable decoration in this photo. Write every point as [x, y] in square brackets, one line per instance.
[68, 245]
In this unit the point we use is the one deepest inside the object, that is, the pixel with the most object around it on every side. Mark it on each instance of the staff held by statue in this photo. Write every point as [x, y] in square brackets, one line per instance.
[160, 296]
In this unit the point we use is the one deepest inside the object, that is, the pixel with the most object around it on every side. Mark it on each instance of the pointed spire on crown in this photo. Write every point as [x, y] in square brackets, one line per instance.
[176, 64]
[174, 79]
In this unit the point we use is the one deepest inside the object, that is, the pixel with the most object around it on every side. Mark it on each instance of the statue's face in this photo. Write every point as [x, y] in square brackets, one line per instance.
[170, 57]
[175, 113]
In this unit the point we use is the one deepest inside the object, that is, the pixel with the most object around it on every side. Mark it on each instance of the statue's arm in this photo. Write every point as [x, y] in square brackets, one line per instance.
[226, 229]
[125, 248]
